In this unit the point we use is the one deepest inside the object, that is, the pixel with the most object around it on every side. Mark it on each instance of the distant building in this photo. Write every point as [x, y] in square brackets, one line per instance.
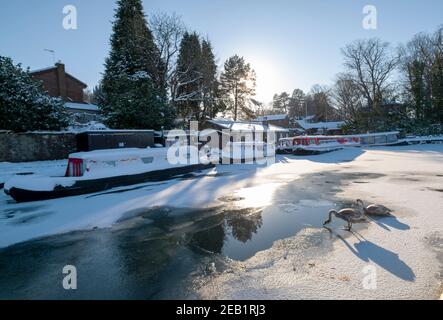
[280, 120]
[327, 128]
[240, 127]
[58, 83]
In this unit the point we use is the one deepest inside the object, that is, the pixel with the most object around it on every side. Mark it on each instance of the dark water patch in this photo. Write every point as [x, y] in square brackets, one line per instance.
[230, 199]
[158, 253]
[436, 190]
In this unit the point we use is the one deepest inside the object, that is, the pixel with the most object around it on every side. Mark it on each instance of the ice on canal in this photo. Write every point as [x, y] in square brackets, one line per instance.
[238, 232]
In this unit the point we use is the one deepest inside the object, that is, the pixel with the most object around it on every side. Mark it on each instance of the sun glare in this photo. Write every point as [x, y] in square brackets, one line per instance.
[268, 80]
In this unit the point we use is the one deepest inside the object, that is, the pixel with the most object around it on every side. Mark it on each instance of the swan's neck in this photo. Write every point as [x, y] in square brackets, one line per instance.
[331, 213]
[362, 210]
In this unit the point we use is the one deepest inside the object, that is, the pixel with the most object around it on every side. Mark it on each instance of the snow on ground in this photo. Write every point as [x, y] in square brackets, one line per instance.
[406, 251]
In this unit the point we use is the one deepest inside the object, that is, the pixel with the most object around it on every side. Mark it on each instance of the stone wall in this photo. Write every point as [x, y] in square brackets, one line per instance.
[36, 146]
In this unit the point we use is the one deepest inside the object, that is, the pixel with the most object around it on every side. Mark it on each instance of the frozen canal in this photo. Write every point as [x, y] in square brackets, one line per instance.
[158, 253]
[196, 236]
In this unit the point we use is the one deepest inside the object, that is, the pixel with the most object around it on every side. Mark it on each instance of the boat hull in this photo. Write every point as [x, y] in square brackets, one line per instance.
[311, 152]
[284, 151]
[102, 184]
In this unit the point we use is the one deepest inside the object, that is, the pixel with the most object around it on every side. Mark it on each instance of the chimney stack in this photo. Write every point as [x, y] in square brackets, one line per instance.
[61, 80]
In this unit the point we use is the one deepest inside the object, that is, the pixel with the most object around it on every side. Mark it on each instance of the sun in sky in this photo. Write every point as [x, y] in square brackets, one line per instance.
[270, 78]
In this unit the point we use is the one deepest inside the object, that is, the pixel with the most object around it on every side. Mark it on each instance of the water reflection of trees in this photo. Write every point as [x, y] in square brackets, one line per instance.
[211, 240]
[245, 223]
[209, 232]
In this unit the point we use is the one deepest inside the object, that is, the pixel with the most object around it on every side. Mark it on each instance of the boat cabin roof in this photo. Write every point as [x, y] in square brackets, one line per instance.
[118, 154]
[345, 136]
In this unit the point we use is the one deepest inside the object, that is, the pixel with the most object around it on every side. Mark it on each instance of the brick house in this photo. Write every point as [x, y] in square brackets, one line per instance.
[58, 83]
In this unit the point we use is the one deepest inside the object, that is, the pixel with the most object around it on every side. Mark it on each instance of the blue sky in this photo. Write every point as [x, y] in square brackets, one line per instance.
[290, 43]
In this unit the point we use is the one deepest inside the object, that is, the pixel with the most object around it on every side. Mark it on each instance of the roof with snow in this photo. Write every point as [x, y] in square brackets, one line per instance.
[305, 124]
[54, 68]
[273, 117]
[81, 106]
[245, 126]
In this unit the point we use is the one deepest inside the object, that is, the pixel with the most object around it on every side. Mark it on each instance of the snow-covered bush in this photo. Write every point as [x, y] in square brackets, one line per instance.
[24, 105]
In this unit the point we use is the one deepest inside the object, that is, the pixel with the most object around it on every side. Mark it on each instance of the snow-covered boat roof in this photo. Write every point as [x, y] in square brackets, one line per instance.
[115, 154]
[366, 135]
[81, 106]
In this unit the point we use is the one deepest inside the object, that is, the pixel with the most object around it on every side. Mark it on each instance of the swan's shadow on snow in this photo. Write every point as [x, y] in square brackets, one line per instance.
[389, 223]
[384, 258]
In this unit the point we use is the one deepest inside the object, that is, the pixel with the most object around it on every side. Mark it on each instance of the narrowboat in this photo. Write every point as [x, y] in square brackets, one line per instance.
[308, 145]
[95, 171]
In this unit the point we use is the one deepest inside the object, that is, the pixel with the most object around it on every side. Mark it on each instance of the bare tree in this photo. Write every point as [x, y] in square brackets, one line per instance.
[370, 64]
[319, 102]
[168, 31]
[347, 97]
[421, 65]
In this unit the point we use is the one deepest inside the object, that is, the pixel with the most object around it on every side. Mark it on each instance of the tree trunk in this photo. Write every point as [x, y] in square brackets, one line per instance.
[235, 104]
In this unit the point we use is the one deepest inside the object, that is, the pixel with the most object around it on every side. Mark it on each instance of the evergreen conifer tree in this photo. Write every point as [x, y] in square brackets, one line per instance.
[133, 87]
[189, 77]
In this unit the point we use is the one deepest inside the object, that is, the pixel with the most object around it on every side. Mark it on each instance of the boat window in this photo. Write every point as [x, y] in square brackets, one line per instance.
[392, 138]
[380, 139]
[148, 160]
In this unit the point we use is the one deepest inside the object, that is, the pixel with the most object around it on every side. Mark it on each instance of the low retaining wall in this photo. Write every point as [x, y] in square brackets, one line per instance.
[36, 146]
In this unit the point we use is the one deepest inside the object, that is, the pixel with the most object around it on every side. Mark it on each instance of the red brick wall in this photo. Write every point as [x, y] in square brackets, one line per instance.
[74, 90]
[60, 84]
[50, 82]
[280, 123]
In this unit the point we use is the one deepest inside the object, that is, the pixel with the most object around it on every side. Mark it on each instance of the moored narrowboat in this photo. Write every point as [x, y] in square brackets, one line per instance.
[89, 172]
[308, 145]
